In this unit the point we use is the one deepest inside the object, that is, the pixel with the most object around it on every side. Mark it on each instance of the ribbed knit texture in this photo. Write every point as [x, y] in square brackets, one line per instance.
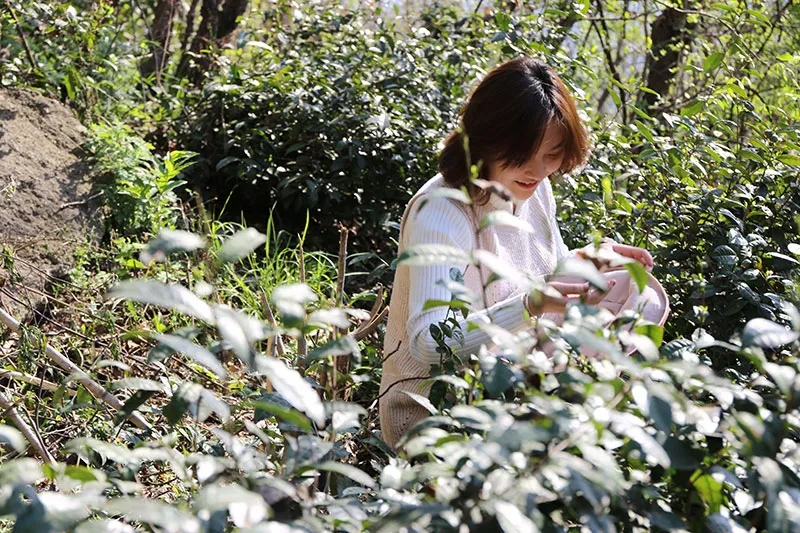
[409, 349]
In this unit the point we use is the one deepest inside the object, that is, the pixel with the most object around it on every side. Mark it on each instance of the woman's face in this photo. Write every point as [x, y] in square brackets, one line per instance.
[522, 181]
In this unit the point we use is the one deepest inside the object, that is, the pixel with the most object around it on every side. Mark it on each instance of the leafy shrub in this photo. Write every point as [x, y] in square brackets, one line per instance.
[331, 115]
[139, 186]
[710, 213]
[524, 442]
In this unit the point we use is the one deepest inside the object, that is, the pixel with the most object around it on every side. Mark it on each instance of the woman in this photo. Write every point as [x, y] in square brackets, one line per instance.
[520, 126]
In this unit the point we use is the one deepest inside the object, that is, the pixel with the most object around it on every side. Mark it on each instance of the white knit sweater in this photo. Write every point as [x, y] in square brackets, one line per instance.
[409, 349]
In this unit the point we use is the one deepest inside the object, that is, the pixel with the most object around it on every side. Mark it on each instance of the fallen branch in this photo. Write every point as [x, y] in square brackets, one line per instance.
[33, 438]
[81, 377]
[33, 380]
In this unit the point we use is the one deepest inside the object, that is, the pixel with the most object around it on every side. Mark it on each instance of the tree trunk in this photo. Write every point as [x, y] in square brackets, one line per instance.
[229, 18]
[218, 20]
[160, 34]
[670, 31]
[197, 60]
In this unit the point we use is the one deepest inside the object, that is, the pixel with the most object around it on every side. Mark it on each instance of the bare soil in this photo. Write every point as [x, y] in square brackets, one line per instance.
[46, 206]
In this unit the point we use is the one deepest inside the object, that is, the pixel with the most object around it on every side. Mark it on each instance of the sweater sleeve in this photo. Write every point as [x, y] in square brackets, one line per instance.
[440, 221]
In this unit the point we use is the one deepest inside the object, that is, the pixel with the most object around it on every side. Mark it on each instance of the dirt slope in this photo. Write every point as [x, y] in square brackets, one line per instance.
[44, 192]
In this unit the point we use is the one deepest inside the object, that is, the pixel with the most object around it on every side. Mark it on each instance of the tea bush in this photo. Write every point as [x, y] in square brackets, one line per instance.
[332, 116]
[654, 442]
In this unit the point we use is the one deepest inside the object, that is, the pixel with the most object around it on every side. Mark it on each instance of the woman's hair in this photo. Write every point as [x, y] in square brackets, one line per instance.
[505, 120]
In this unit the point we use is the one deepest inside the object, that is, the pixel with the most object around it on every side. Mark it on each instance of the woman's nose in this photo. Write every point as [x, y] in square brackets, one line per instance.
[537, 169]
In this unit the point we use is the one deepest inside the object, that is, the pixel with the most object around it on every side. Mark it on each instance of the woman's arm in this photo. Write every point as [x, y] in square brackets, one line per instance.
[440, 221]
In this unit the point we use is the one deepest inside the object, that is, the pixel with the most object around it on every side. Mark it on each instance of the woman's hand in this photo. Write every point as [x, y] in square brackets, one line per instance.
[556, 295]
[638, 254]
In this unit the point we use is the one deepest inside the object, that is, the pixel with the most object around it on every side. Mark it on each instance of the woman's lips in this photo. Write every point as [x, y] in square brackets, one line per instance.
[527, 185]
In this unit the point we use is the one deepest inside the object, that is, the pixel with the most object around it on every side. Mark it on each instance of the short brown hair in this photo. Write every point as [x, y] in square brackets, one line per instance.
[505, 120]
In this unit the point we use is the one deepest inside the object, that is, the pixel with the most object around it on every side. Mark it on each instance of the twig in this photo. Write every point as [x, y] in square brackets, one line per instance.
[340, 364]
[54, 322]
[403, 380]
[376, 316]
[82, 377]
[609, 59]
[34, 439]
[79, 202]
[302, 342]
[21, 33]
[275, 342]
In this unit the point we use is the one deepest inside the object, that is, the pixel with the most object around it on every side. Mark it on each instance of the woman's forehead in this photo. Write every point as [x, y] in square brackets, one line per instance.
[555, 135]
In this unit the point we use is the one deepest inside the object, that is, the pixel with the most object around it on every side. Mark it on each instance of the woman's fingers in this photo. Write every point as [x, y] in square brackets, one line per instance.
[595, 296]
[639, 254]
[570, 288]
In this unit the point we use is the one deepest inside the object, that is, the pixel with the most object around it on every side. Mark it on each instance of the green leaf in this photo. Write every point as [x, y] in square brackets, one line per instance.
[286, 414]
[104, 526]
[83, 474]
[584, 269]
[423, 401]
[693, 108]
[433, 254]
[294, 389]
[245, 508]
[459, 195]
[455, 304]
[724, 255]
[195, 352]
[502, 269]
[512, 520]
[642, 343]
[682, 455]
[782, 261]
[357, 475]
[455, 381]
[766, 334]
[86, 446]
[132, 404]
[712, 61]
[638, 273]
[660, 412]
[291, 301]
[137, 384]
[644, 440]
[496, 376]
[653, 331]
[199, 401]
[503, 21]
[13, 437]
[709, 489]
[791, 160]
[504, 218]
[784, 376]
[169, 241]
[241, 244]
[345, 345]
[51, 511]
[169, 296]
[718, 523]
[168, 517]
[234, 335]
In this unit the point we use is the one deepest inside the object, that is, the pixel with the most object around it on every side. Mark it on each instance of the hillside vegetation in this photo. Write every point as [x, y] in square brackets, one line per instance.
[213, 363]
